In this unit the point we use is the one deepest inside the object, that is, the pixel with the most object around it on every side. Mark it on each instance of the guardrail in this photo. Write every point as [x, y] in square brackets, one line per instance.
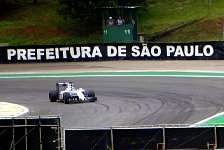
[154, 37]
[145, 137]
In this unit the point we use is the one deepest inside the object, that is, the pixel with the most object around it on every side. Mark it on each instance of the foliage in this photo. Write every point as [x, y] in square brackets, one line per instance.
[11, 2]
[29, 24]
[8, 5]
[87, 9]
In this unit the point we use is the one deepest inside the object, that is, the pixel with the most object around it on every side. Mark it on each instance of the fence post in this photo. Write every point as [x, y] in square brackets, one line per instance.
[164, 139]
[215, 134]
[112, 139]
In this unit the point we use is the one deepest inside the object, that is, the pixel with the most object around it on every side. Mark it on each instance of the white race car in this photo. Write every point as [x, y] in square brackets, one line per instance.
[69, 94]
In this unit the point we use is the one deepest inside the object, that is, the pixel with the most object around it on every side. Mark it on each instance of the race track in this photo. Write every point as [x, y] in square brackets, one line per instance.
[122, 101]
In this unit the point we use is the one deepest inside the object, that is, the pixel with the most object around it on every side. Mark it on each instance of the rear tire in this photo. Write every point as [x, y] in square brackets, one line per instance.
[53, 96]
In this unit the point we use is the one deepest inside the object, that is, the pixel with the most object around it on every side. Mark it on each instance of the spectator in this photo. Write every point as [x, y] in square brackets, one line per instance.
[120, 21]
[110, 21]
[133, 22]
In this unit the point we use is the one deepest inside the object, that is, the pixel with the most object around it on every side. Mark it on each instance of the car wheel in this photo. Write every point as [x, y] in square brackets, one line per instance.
[66, 98]
[53, 96]
[90, 93]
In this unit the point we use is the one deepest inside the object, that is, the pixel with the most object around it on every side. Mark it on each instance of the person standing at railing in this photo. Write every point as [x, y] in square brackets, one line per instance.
[120, 21]
[110, 21]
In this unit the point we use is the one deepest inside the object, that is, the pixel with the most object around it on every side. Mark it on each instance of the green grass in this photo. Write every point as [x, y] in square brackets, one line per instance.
[40, 24]
[163, 14]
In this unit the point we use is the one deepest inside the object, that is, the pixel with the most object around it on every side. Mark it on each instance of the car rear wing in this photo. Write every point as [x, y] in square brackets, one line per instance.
[61, 84]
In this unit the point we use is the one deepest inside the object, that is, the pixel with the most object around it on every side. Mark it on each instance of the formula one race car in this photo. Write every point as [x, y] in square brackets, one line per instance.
[69, 94]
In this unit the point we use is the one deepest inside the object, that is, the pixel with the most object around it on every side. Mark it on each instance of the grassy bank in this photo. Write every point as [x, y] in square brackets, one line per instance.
[40, 24]
[163, 15]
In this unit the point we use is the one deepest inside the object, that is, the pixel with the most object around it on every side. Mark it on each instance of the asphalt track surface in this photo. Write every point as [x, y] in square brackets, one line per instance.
[122, 101]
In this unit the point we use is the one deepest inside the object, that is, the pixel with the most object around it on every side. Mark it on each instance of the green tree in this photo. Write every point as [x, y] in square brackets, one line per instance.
[8, 5]
[88, 8]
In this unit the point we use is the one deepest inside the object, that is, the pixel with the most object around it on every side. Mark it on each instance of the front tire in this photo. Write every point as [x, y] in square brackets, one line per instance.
[66, 98]
[91, 93]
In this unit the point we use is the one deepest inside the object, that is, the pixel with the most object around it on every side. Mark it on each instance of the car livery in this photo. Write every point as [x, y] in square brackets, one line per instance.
[70, 94]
